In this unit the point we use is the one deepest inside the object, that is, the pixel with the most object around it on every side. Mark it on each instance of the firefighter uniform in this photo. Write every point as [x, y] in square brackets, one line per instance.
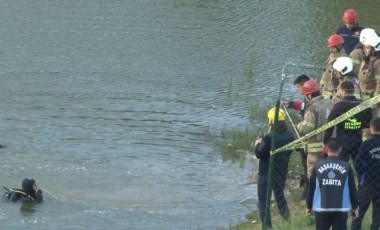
[369, 81]
[316, 114]
[357, 57]
[328, 82]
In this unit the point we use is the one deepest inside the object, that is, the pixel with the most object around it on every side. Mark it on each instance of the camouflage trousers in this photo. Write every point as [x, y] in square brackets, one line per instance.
[312, 158]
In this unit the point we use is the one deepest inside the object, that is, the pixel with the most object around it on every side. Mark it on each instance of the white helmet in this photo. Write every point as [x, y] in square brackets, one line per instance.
[343, 65]
[373, 41]
[367, 32]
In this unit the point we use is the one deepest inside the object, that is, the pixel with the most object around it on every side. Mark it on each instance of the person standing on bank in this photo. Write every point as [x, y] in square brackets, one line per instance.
[300, 105]
[369, 73]
[262, 152]
[328, 82]
[367, 165]
[350, 130]
[316, 113]
[343, 70]
[332, 193]
[351, 30]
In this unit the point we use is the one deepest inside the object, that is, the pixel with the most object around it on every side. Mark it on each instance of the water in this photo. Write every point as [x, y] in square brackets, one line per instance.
[106, 104]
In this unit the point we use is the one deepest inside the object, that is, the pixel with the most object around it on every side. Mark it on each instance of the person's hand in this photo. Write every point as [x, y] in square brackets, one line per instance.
[35, 186]
[355, 213]
[258, 141]
[285, 103]
[309, 212]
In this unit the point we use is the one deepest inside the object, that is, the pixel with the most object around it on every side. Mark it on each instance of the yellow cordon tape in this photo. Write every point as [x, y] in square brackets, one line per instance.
[300, 142]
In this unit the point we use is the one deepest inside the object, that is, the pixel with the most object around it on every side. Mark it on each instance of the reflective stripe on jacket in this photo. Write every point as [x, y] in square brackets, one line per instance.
[316, 115]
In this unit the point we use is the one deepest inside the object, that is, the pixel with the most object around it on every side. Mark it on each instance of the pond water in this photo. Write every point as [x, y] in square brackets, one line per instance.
[106, 103]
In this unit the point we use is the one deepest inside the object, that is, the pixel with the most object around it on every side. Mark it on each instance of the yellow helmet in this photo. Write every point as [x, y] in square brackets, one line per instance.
[271, 115]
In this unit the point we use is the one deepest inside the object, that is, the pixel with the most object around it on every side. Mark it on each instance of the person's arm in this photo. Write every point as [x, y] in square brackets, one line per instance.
[39, 197]
[353, 192]
[262, 148]
[329, 132]
[367, 117]
[297, 105]
[308, 123]
[310, 194]
[15, 196]
[356, 56]
[377, 77]
[360, 160]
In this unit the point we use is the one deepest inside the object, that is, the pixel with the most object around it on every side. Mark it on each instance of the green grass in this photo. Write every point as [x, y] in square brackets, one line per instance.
[235, 144]
[298, 219]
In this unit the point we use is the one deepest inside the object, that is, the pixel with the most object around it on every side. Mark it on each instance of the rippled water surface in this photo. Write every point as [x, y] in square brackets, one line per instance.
[106, 104]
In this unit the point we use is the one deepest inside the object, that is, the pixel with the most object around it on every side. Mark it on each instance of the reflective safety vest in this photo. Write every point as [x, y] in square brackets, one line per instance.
[314, 147]
[316, 115]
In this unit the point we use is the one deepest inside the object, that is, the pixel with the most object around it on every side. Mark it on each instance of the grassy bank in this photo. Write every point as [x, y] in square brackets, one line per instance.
[297, 207]
[235, 145]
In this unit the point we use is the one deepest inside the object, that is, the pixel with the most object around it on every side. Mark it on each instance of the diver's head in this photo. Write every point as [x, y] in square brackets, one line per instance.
[28, 185]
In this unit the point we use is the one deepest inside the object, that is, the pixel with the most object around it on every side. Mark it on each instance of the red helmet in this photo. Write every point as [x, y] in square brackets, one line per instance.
[309, 87]
[350, 16]
[335, 40]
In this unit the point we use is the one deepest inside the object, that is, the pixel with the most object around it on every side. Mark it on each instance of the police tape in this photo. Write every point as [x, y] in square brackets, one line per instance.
[300, 142]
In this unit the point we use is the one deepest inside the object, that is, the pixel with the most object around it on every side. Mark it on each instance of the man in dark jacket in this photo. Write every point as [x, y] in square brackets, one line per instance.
[367, 165]
[350, 31]
[262, 151]
[29, 192]
[332, 193]
[349, 131]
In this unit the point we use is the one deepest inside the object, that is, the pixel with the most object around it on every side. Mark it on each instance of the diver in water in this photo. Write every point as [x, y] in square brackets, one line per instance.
[29, 192]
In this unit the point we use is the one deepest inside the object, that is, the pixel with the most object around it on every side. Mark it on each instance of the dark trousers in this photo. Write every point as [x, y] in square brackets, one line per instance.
[278, 190]
[262, 184]
[336, 220]
[366, 195]
[348, 150]
[304, 165]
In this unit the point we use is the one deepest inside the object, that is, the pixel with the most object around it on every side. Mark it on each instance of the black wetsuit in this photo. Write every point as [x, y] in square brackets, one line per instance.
[22, 196]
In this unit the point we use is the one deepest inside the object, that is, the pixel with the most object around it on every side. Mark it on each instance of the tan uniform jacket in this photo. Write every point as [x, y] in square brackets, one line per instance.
[369, 77]
[357, 57]
[328, 82]
[316, 114]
